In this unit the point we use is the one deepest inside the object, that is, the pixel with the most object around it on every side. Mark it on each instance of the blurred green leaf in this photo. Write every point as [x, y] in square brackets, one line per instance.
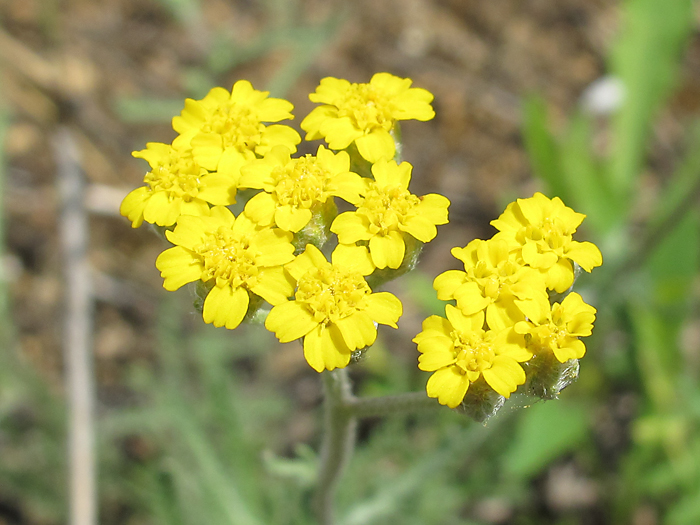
[646, 59]
[542, 147]
[545, 431]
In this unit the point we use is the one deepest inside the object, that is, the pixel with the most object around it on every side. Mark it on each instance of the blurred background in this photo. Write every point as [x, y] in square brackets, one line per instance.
[596, 101]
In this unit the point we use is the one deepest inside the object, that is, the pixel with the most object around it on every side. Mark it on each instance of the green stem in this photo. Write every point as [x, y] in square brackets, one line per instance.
[384, 405]
[338, 442]
[341, 411]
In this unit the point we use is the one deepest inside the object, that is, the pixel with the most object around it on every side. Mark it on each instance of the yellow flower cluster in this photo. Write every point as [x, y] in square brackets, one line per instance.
[503, 316]
[274, 249]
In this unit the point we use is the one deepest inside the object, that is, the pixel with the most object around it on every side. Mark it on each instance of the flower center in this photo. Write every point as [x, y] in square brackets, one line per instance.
[551, 234]
[386, 208]
[331, 294]
[474, 353]
[492, 279]
[301, 183]
[178, 177]
[238, 126]
[228, 258]
[550, 336]
[366, 107]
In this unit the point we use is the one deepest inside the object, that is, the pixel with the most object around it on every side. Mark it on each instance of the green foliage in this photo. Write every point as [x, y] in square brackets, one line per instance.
[650, 272]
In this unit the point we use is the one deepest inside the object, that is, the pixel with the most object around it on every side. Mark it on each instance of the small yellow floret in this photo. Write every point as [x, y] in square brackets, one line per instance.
[295, 189]
[232, 256]
[226, 129]
[176, 185]
[388, 211]
[459, 351]
[558, 329]
[365, 113]
[334, 310]
[540, 230]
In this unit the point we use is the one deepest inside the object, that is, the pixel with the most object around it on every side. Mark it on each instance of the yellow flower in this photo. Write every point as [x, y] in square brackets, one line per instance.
[226, 129]
[297, 188]
[176, 185]
[387, 212]
[557, 329]
[234, 257]
[540, 230]
[334, 309]
[492, 281]
[365, 113]
[458, 351]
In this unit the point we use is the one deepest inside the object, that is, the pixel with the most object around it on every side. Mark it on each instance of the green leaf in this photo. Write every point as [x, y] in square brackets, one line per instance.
[542, 147]
[545, 431]
[646, 59]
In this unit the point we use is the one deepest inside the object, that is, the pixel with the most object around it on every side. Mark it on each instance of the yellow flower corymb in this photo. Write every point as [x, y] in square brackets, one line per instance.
[232, 256]
[176, 185]
[334, 309]
[225, 129]
[365, 113]
[387, 212]
[539, 229]
[558, 329]
[459, 351]
[297, 188]
[492, 281]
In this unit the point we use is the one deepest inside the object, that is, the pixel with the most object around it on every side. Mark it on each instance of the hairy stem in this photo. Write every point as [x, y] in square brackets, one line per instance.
[338, 442]
[341, 411]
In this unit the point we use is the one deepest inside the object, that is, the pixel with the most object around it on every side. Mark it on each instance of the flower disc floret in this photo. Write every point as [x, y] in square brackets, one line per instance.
[176, 185]
[459, 351]
[540, 230]
[233, 257]
[365, 113]
[226, 129]
[388, 211]
[334, 310]
[295, 189]
[557, 329]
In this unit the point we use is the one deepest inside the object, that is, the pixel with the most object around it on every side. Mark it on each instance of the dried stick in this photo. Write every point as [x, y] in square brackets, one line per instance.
[77, 331]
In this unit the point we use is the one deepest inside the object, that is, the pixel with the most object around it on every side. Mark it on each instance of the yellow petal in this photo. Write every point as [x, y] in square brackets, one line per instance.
[133, 205]
[376, 145]
[358, 330]
[291, 218]
[225, 306]
[290, 321]
[387, 250]
[178, 267]
[350, 228]
[274, 285]
[448, 385]
[384, 308]
[324, 348]
[207, 149]
[352, 257]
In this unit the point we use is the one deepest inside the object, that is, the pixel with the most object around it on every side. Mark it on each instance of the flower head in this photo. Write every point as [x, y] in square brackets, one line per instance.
[297, 188]
[334, 309]
[176, 185]
[365, 113]
[557, 330]
[492, 280]
[225, 129]
[459, 351]
[234, 257]
[539, 229]
[388, 211]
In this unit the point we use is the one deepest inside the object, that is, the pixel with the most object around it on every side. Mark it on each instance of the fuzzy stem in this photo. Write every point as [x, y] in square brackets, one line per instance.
[341, 411]
[385, 405]
[338, 442]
